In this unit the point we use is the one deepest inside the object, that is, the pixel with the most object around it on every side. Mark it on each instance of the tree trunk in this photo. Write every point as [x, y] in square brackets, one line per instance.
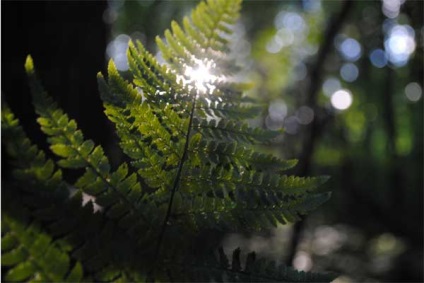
[67, 40]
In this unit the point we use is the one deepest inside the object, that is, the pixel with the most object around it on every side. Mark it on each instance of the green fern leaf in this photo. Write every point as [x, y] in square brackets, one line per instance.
[217, 268]
[35, 255]
[231, 131]
[112, 190]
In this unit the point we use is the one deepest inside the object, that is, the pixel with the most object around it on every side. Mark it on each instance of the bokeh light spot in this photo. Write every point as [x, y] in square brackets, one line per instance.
[350, 49]
[341, 99]
[291, 125]
[400, 44]
[302, 261]
[272, 124]
[391, 8]
[327, 239]
[277, 110]
[330, 86]
[290, 20]
[378, 58]
[413, 91]
[305, 115]
[311, 5]
[117, 50]
[274, 45]
[349, 72]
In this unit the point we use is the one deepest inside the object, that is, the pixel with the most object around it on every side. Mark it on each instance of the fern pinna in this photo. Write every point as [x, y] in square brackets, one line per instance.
[193, 168]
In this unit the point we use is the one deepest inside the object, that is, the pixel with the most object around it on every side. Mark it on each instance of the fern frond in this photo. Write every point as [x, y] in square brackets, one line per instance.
[294, 185]
[189, 145]
[239, 156]
[201, 44]
[117, 92]
[30, 163]
[101, 247]
[217, 268]
[152, 134]
[204, 36]
[156, 82]
[232, 131]
[253, 200]
[249, 211]
[118, 193]
[30, 254]
[43, 195]
[147, 142]
[230, 179]
[227, 110]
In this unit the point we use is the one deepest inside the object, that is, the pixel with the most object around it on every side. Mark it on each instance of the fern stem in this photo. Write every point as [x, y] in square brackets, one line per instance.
[176, 180]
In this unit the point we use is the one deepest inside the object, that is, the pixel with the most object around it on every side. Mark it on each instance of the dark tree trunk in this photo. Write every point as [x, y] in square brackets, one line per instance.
[313, 130]
[67, 40]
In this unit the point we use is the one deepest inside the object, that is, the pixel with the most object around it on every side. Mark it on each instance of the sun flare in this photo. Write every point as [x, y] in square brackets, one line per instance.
[200, 76]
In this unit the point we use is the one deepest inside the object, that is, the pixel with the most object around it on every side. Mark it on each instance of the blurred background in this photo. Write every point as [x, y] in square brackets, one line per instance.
[343, 78]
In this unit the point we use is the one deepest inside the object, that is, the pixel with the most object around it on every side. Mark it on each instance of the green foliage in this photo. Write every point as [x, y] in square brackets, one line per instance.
[193, 167]
[30, 253]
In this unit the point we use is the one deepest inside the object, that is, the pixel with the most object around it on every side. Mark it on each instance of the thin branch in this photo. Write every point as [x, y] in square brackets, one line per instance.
[316, 75]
